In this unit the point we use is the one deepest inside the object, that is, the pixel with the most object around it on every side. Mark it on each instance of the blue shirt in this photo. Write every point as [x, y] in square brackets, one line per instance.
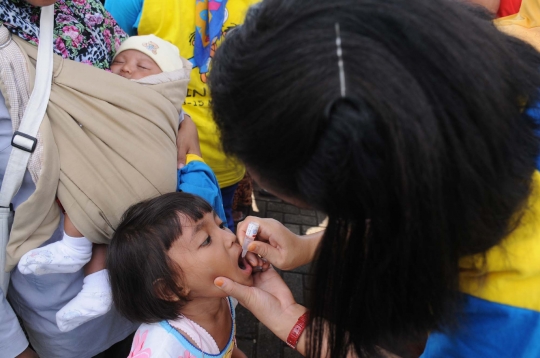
[197, 178]
[127, 14]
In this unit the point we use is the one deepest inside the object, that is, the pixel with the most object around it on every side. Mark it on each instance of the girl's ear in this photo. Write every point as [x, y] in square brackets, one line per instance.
[163, 291]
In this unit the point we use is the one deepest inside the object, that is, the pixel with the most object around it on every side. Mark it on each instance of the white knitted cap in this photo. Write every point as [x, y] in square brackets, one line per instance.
[164, 53]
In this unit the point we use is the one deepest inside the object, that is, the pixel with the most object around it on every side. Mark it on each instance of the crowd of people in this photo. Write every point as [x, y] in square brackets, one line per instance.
[412, 124]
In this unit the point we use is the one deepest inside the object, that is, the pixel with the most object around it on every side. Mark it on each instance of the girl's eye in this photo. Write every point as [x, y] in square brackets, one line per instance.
[222, 226]
[207, 241]
[144, 68]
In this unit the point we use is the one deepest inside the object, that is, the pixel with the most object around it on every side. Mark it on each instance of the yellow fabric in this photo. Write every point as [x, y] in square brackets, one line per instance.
[193, 158]
[510, 273]
[174, 21]
[524, 25]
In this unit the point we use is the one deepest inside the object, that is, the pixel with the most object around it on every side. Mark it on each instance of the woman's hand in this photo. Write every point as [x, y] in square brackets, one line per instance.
[187, 140]
[270, 300]
[279, 245]
[258, 263]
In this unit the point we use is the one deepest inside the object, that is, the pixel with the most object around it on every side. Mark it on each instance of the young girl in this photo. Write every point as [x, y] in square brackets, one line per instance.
[162, 262]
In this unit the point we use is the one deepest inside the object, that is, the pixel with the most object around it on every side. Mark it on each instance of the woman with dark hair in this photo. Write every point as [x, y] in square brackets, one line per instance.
[407, 123]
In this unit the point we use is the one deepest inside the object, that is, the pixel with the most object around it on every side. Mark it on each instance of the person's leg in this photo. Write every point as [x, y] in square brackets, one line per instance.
[98, 261]
[65, 256]
[95, 298]
[227, 195]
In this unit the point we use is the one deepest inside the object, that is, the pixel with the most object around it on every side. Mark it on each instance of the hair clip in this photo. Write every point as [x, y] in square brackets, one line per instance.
[343, 99]
[339, 52]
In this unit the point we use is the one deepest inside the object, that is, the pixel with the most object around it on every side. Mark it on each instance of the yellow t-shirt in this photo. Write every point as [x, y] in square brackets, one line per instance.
[174, 21]
[509, 273]
[524, 25]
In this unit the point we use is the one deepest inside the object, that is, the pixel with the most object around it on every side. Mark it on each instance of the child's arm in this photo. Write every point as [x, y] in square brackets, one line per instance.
[187, 141]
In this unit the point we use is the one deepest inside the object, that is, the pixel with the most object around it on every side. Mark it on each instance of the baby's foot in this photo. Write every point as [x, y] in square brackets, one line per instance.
[94, 300]
[67, 255]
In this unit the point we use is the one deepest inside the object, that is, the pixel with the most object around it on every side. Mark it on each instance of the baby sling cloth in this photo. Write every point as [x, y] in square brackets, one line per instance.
[104, 144]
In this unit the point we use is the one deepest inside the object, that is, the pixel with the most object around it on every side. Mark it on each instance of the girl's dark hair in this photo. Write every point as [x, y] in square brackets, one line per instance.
[426, 160]
[146, 284]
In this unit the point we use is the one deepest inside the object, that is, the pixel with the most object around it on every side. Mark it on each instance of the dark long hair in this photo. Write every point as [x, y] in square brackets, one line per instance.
[146, 284]
[425, 162]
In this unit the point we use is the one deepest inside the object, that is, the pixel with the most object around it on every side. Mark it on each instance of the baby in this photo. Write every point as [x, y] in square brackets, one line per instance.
[138, 57]
[163, 260]
[143, 56]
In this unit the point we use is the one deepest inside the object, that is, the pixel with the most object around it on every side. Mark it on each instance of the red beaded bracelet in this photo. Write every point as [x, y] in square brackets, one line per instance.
[296, 331]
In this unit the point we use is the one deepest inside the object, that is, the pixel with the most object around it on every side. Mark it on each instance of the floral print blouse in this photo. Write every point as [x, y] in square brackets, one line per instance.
[84, 31]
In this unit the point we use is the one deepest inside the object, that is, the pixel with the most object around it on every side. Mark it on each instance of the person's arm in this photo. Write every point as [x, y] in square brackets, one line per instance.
[187, 141]
[127, 13]
[272, 303]
[13, 342]
[284, 249]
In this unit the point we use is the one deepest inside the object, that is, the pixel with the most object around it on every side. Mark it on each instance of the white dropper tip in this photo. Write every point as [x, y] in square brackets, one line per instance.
[251, 232]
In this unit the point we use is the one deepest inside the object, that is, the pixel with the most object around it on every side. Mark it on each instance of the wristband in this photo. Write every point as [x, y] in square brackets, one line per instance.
[296, 331]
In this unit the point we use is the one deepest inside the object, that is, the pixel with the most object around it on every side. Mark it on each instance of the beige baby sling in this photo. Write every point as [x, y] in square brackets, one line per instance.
[104, 144]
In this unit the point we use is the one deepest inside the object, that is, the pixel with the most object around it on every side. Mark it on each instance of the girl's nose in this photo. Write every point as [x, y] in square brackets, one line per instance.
[231, 238]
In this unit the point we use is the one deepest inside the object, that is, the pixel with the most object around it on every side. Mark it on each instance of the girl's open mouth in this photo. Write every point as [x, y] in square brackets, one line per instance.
[244, 265]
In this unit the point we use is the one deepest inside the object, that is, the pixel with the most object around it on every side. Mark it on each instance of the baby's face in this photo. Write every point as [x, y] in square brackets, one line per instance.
[134, 65]
[205, 251]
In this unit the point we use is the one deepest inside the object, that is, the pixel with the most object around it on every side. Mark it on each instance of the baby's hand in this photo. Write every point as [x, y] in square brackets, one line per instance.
[258, 263]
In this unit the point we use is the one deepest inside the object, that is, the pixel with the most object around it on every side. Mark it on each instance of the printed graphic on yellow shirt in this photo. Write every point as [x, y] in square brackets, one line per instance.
[203, 70]
[210, 15]
[190, 24]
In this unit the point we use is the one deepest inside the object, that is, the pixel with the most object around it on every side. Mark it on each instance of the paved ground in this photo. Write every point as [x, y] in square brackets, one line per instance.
[255, 339]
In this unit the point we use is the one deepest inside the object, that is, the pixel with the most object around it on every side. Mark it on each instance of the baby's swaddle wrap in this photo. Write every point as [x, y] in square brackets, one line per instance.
[105, 144]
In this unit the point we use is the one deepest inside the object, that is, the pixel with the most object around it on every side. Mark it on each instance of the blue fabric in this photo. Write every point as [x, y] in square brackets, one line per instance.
[488, 329]
[197, 178]
[209, 19]
[127, 14]
[227, 194]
